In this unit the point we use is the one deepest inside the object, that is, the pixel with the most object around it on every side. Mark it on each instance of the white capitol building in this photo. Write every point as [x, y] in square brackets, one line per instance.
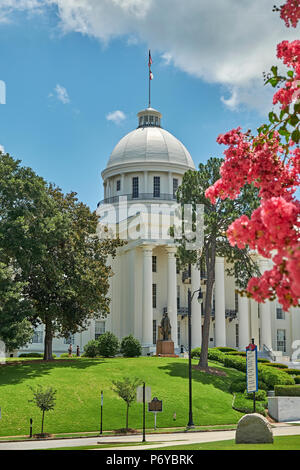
[145, 169]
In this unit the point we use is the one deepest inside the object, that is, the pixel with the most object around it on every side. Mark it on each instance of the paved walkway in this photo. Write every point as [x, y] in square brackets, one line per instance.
[163, 439]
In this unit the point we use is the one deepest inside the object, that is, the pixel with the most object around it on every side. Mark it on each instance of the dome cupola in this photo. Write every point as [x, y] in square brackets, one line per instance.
[149, 118]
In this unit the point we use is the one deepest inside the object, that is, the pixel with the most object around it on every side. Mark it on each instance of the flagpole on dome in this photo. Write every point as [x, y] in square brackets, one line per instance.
[150, 77]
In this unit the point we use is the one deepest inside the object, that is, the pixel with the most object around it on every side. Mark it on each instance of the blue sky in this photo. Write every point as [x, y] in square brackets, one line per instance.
[66, 71]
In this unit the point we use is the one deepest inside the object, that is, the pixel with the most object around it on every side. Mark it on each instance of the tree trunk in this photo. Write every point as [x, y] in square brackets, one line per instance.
[48, 341]
[127, 412]
[210, 257]
[43, 422]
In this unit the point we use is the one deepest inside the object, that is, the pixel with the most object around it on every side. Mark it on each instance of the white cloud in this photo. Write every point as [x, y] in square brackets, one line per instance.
[61, 94]
[2, 149]
[116, 116]
[227, 42]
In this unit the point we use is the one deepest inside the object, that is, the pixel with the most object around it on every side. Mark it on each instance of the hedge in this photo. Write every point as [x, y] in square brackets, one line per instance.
[297, 379]
[214, 354]
[260, 395]
[226, 349]
[32, 354]
[278, 365]
[236, 353]
[293, 371]
[245, 405]
[287, 390]
[273, 376]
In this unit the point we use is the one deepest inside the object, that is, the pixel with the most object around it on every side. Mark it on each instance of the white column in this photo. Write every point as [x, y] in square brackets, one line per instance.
[172, 293]
[196, 309]
[145, 181]
[243, 317]
[254, 321]
[220, 328]
[265, 313]
[147, 297]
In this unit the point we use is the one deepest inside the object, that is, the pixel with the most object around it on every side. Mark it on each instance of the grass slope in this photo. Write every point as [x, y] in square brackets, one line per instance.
[79, 382]
[280, 443]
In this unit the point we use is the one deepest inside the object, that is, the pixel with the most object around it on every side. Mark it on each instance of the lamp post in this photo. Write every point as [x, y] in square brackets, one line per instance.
[190, 298]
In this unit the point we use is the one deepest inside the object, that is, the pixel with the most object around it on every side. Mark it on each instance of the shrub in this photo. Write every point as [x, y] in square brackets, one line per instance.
[32, 354]
[293, 371]
[278, 365]
[243, 404]
[130, 347]
[235, 362]
[196, 352]
[260, 395]
[91, 348]
[236, 353]
[287, 390]
[225, 349]
[215, 355]
[263, 360]
[238, 385]
[297, 379]
[273, 376]
[108, 345]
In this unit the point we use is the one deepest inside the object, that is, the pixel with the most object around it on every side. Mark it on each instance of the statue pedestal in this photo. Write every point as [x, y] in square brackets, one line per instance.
[165, 348]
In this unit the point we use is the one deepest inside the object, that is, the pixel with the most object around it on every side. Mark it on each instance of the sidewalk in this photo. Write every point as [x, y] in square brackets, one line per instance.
[164, 440]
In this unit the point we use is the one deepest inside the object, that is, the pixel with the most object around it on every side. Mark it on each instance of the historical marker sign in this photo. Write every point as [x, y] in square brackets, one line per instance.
[155, 406]
[252, 376]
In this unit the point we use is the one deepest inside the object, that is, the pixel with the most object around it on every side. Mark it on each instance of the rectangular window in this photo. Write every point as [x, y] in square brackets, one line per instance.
[135, 187]
[156, 186]
[99, 328]
[177, 266]
[153, 295]
[118, 185]
[175, 186]
[70, 339]
[236, 335]
[280, 314]
[37, 337]
[178, 296]
[154, 332]
[281, 340]
[154, 265]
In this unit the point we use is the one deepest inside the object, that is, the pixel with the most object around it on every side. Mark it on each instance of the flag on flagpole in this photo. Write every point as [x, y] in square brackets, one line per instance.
[150, 59]
[151, 75]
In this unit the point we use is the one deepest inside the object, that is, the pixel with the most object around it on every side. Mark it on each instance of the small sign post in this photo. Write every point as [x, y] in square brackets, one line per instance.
[143, 395]
[155, 406]
[101, 418]
[252, 374]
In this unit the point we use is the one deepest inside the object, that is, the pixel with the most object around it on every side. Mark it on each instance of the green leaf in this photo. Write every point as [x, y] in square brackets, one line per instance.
[296, 136]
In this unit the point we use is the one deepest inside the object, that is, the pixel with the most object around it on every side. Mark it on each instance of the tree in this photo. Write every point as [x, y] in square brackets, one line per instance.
[130, 347]
[217, 218]
[126, 389]
[61, 262]
[44, 398]
[270, 160]
[15, 330]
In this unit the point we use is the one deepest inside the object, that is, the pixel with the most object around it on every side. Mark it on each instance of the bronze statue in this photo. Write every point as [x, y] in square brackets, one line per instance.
[165, 326]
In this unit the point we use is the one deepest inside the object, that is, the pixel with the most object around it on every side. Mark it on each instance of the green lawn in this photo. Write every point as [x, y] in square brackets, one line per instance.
[79, 382]
[280, 443]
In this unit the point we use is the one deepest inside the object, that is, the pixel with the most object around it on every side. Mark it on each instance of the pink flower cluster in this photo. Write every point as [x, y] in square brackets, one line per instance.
[289, 52]
[290, 12]
[274, 228]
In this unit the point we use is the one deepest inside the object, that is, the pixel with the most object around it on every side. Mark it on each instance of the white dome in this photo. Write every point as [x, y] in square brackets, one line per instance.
[150, 144]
